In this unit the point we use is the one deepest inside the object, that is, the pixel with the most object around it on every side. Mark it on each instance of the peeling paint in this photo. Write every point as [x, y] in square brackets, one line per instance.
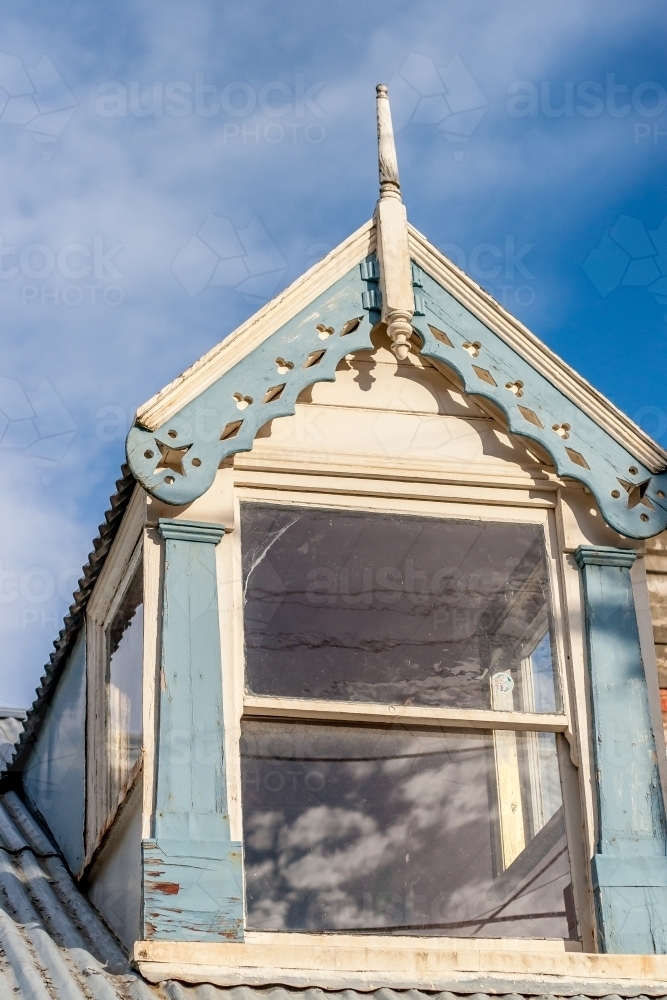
[168, 888]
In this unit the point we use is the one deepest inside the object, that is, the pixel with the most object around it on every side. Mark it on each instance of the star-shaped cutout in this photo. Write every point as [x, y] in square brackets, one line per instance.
[172, 458]
[637, 493]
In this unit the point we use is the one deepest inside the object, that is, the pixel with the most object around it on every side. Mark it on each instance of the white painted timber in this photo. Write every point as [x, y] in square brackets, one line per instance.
[339, 961]
[402, 715]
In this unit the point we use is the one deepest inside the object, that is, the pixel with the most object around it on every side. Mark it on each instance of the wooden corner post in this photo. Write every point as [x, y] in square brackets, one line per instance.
[192, 872]
[629, 870]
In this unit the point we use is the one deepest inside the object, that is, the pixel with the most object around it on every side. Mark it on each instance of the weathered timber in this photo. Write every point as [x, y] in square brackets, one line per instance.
[192, 871]
[629, 869]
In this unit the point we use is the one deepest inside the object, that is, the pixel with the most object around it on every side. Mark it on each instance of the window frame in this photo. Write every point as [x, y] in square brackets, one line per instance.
[240, 706]
[134, 563]
[120, 566]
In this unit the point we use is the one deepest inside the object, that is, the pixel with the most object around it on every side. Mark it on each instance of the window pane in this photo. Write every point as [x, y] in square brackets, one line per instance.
[404, 610]
[124, 727]
[457, 833]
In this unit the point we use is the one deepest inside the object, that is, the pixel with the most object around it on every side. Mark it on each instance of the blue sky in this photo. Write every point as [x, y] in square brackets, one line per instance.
[532, 142]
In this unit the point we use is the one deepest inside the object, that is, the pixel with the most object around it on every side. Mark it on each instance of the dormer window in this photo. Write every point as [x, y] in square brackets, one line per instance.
[400, 773]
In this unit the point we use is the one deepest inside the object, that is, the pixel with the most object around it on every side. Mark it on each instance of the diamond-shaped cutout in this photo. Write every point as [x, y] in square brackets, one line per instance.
[485, 376]
[577, 458]
[275, 392]
[530, 416]
[313, 359]
[351, 326]
[440, 335]
[231, 430]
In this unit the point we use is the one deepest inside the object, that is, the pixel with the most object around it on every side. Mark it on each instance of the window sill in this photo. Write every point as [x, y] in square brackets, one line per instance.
[342, 961]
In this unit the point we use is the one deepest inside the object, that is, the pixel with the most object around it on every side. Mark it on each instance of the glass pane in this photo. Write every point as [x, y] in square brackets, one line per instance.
[125, 639]
[404, 610]
[457, 833]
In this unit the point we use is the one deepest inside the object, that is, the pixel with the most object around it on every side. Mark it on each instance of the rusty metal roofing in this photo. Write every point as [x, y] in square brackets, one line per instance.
[75, 616]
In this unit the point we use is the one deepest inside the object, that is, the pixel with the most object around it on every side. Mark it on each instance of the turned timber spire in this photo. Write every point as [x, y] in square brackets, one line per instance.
[398, 304]
[390, 186]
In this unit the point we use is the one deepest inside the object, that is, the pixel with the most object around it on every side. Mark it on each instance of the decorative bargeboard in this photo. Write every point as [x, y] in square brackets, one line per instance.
[177, 463]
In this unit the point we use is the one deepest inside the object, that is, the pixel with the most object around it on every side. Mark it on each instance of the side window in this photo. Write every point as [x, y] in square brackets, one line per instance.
[124, 641]
[439, 811]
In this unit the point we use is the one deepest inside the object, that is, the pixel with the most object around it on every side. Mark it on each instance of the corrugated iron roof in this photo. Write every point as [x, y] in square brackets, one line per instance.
[178, 991]
[53, 944]
[75, 616]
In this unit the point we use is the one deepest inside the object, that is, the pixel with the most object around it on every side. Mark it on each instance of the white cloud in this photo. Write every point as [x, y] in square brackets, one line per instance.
[149, 183]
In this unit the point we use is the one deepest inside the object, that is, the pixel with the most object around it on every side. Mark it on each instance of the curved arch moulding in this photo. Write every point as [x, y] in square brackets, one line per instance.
[177, 463]
[631, 498]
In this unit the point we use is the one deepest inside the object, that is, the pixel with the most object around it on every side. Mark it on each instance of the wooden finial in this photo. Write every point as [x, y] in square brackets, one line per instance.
[398, 303]
[387, 161]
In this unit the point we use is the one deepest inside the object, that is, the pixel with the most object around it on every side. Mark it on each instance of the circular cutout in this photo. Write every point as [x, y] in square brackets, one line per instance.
[172, 433]
[196, 462]
[616, 494]
[169, 480]
[633, 470]
[644, 517]
[148, 453]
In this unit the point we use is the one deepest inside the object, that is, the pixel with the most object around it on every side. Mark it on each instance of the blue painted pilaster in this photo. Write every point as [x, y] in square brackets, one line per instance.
[192, 870]
[629, 870]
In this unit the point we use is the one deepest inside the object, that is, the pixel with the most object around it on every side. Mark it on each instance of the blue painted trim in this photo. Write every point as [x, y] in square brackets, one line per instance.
[225, 418]
[190, 531]
[192, 870]
[604, 555]
[607, 871]
[193, 891]
[535, 409]
[177, 463]
[629, 870]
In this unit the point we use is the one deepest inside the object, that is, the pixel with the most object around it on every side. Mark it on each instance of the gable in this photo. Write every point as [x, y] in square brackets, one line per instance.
[538, 396]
